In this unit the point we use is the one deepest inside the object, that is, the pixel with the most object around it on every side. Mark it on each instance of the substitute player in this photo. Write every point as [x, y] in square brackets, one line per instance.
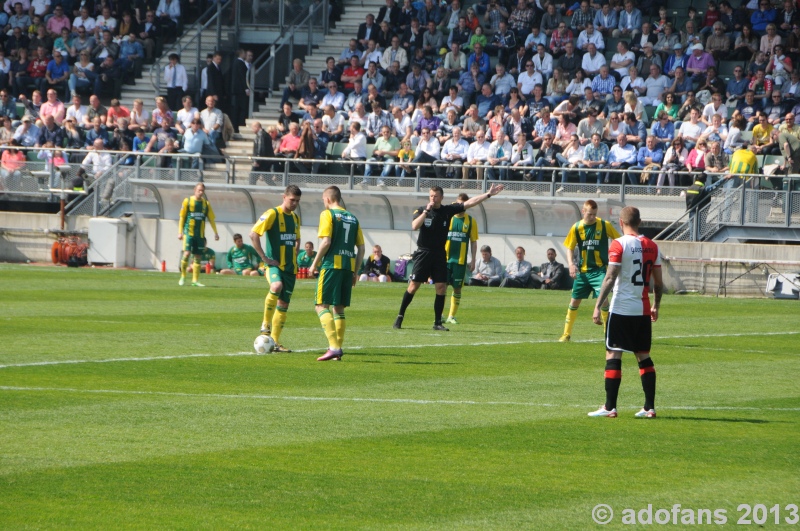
[241, 259]
[430, 258]
[192, 225]
[632, 259]
[337, 263]
[462, 237]
[282, 227]
[591, 236]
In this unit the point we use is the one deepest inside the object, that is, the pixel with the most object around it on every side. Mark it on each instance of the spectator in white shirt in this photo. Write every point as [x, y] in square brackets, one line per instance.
[592, 61]
[186, 115]
[590, 36]
[518, 272]
[96, 163]
[655, 85]
[477, 154]
[498, 157]
[543, 61]
[428, 148]
[528, 79]
[453, 155]
[622, 60]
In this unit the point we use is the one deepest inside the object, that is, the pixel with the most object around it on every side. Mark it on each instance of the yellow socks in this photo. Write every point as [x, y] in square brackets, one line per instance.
[184, 265]
[341, 325]
[269, 308]
[455, 300]
[572, 314]
[278, 320]
[196, 270]
[326, 319]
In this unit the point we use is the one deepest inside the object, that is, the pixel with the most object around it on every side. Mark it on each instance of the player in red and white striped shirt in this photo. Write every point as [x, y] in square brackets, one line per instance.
[632, 260]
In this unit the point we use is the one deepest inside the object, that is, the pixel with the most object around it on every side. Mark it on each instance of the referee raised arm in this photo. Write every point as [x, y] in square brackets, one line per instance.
[430, 260]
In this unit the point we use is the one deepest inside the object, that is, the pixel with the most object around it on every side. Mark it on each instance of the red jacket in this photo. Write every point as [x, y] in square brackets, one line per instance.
[37, 67]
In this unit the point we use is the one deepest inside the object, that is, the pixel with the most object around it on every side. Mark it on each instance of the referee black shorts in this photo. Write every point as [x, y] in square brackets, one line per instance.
[429, 264]
[629, 333]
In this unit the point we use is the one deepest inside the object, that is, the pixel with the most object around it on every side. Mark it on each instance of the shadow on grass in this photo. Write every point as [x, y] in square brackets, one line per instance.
[706, 419]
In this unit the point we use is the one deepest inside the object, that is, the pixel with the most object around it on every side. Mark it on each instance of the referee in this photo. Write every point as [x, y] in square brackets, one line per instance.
[430, 259]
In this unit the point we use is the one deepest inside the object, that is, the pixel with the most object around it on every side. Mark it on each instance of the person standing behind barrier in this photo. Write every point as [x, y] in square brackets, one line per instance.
[462, 238]
[262, 147]
[176, 81]
[282, 228]
[240, 88]
[591, 236]
[337, 264]
[195, 211]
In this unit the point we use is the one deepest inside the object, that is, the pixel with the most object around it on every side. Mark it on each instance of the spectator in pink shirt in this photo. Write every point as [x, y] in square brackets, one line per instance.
[53, 107]
[57, 22]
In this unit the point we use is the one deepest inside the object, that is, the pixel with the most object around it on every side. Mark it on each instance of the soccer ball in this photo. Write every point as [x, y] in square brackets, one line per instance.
[263, 344]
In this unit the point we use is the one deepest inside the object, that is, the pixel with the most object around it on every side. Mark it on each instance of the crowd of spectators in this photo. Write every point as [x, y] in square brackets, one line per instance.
[515, 90]
[53, 52]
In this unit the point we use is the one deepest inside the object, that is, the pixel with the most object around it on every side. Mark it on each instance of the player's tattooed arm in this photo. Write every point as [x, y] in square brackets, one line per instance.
[608, 284]
[658, 290]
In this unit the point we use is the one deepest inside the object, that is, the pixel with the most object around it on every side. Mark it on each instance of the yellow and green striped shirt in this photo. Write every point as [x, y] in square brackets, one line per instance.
[283, 234]
[592, 241]
[194, 213]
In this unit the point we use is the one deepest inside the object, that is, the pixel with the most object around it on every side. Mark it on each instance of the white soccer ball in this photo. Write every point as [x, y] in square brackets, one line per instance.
[263, 344]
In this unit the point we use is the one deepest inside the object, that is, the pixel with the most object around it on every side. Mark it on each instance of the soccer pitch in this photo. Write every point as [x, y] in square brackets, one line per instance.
[128, 402]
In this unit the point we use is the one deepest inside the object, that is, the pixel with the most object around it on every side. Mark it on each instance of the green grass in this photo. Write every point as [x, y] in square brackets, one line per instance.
[167, 421]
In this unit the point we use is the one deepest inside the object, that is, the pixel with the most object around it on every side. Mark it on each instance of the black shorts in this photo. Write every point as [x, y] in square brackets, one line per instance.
[428, 264]
[629, 333]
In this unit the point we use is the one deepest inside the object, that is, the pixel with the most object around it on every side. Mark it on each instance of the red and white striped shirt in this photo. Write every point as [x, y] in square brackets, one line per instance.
[637, 256]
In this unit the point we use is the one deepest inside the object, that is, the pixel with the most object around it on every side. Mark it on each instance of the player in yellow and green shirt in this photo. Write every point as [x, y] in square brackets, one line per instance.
[462, 243]
[591, 236]
[282, 228]
[192, 225]
[337, 263]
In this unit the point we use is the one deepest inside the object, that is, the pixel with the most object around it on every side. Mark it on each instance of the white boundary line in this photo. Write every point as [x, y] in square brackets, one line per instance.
[320, 349]
[412, 401]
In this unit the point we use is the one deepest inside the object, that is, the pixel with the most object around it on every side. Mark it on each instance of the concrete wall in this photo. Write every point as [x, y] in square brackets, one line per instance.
[687, 267]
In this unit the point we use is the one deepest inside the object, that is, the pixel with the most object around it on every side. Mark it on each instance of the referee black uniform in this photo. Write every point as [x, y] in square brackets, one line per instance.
[430, 259]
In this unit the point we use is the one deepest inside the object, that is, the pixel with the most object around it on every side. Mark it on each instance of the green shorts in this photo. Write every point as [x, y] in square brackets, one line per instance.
[587, 284]
[456, 273]
[194, 244]
[334, 287]
[287, 279]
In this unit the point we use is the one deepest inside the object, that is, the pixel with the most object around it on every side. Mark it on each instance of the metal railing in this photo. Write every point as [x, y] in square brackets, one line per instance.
[213, 15]
[268, 58]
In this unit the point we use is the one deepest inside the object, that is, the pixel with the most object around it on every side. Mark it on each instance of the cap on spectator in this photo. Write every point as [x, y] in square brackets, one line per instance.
[697, 46]
[677, 46]
[26, 118]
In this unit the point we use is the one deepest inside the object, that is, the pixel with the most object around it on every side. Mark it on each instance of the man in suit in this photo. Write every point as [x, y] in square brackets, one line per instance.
[366, 31]
[391, 14]
[551, 273]
[262, 147]
[216, 81]
[240, 88]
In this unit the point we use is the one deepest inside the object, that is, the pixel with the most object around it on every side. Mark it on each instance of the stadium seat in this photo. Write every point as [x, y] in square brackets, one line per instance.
[726, 68]
[747, 136]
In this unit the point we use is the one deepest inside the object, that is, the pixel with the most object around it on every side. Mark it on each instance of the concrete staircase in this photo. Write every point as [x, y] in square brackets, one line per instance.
[269, 110]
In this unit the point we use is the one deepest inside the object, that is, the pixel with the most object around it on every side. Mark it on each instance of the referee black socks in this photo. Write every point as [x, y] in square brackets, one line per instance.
[407, 298]
[438, 308]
